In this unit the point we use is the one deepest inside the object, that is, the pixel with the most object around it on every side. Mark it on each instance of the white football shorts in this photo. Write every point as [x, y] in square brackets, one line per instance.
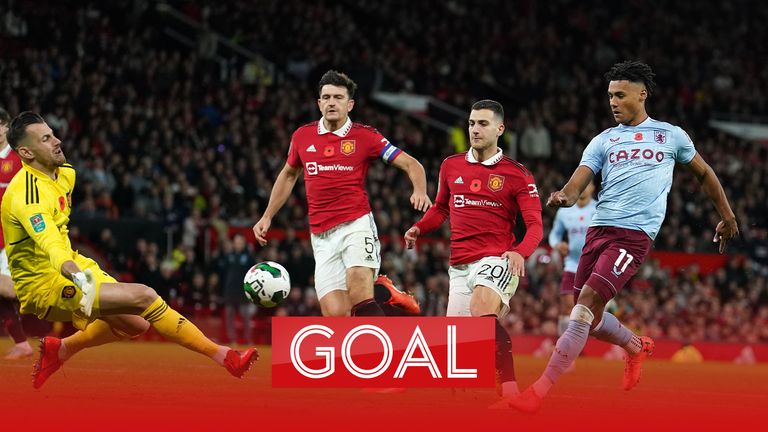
[492, 272]
[351, 244]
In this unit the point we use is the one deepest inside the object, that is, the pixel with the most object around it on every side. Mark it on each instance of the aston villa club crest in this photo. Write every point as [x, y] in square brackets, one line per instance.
[347, 147]
[495, 182]
[660, 136]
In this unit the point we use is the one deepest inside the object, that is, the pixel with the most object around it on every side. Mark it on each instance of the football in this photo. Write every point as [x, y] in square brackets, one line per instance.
[267, 284]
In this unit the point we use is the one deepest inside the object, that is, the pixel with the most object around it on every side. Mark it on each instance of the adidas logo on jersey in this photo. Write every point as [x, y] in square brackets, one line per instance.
[369, 258]
[459, 181]
[311, 149]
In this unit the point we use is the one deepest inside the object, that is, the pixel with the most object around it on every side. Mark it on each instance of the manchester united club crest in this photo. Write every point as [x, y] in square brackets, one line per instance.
[6, 167]
[68, 292]
[660, 136]
[348, 147]
[495, 182]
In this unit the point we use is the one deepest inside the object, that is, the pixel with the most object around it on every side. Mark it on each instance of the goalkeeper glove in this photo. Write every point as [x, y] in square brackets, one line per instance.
[84, 281]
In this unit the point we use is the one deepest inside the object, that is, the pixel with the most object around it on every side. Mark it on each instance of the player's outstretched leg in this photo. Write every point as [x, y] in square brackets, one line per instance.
[567, 348]
[178, 329]
[638, 348]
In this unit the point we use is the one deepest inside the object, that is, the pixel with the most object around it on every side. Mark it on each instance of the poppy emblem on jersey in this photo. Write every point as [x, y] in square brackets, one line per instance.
[68, 292]
[62, 203]
[329, 151]
[38, 223]
[348, 147]
[639, 136]
[7, 166]
[474, 186]
[495, 182]
[660, 136]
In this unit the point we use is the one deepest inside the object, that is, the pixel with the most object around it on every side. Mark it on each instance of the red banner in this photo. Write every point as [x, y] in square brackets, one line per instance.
[383, 352]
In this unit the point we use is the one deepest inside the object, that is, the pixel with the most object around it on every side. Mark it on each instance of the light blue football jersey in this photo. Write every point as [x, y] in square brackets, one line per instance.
[637, 164]
[575, 221]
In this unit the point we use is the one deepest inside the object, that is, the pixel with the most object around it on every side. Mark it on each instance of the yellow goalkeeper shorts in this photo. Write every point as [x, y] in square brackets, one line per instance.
[58, 299]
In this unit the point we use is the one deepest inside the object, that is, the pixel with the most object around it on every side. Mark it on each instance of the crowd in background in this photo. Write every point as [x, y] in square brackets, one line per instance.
[190, 139]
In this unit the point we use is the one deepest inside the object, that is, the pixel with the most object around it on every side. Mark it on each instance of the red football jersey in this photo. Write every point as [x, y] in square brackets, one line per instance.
[335, 164]
[10, 164]
[483, 200]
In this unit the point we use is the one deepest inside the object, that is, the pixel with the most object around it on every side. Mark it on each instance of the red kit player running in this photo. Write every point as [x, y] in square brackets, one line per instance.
[483, 191]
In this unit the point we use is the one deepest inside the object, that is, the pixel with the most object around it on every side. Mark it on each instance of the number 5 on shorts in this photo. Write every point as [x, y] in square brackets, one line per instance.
[369, 246]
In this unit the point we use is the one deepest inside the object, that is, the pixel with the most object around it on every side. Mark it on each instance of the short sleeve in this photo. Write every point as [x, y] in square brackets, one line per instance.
[294, 159]
[594, 156]
[684, 148]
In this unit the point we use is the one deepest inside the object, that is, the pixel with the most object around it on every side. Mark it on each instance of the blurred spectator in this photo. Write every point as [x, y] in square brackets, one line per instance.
[236, 263]
[160, 135]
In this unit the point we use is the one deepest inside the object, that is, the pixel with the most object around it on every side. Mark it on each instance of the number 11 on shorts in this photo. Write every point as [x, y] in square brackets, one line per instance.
[622, 256]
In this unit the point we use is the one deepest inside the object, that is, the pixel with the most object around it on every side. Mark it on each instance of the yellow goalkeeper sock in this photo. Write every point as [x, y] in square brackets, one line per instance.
[176, 328]
[97, 333]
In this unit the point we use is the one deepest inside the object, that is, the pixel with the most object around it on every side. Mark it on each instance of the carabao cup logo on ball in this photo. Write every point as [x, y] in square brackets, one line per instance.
[267, 284]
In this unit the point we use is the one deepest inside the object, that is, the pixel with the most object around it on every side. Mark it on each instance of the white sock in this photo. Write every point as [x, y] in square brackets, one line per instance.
[509, 388]
[562, 324]
[63, 351]
[220, 355]
[634, 346]
[541, 386]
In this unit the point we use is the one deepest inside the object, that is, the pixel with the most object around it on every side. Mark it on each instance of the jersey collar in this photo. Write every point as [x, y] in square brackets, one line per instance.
[340, 132]
[488, 162]
[39, 174]
[642, 123]
[5, 152]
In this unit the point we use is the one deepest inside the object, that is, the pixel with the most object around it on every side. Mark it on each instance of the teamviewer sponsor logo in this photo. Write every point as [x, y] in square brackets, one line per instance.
[312, 168]
[334, 167]
[383, 352]
[462, 201]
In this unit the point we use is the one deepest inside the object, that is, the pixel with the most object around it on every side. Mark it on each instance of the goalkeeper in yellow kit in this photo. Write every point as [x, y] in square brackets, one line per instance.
[57, 284]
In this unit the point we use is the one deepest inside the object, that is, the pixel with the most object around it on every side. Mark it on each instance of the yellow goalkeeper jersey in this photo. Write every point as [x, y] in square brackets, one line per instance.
[35, 212]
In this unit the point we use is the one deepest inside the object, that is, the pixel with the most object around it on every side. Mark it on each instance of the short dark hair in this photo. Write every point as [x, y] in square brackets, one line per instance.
[490, 105]
[633, 71]
[5, 118]
[18, 127]
[337, 78]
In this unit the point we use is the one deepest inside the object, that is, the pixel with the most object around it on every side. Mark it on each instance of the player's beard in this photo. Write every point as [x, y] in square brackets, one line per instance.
[482, 146]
